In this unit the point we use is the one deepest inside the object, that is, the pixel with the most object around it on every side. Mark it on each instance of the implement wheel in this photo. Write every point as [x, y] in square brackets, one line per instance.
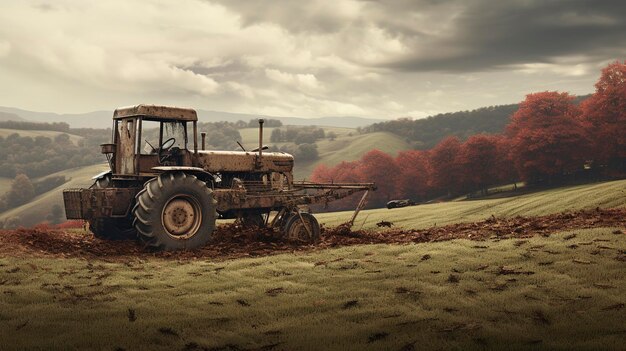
[111, 228]
[175, 211]
[296, 231]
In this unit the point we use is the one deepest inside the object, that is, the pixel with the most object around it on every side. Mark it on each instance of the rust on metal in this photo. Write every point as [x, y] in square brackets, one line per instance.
[235, 184]
[157, 112]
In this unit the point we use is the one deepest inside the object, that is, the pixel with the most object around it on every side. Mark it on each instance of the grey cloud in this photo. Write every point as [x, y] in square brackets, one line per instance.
[462, 36]
[493, 35]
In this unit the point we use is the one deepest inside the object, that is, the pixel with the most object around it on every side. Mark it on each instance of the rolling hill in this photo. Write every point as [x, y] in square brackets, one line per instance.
[7, 116]
[570, 198]
[35, 133]
[37, 209]
[5, 184]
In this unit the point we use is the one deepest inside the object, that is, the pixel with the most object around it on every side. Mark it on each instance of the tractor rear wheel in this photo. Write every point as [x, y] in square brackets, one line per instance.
[296, 231]
[175, 211]
[107, 228]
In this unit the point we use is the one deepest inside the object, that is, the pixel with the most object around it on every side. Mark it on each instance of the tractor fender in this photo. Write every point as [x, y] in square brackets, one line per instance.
[101, 175]
[197, 171]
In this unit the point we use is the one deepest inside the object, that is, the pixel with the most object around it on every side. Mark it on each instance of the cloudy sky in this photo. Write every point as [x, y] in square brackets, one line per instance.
[383, 59]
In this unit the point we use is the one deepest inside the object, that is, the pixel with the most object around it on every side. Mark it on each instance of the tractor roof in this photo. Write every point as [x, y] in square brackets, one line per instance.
[157, 113]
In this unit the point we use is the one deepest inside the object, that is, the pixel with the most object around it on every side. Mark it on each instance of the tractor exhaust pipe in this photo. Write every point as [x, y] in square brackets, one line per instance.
[261, 121]
[203, 134]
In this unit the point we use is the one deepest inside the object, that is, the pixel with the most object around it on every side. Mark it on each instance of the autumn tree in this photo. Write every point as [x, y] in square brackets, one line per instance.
[604, 116]
[480, 162]
[444, 166]
[344, 172]
[413, 178]
[547, 139]
[380, 168]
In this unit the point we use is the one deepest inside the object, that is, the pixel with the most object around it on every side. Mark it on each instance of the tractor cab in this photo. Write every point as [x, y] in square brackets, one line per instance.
[148, 136]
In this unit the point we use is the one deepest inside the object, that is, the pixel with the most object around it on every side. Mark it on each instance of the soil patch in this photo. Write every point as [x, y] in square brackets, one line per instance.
[230, 241]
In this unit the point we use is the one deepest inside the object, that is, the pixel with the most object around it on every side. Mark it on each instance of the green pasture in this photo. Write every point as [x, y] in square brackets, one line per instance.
[570, 198]
[565, 291]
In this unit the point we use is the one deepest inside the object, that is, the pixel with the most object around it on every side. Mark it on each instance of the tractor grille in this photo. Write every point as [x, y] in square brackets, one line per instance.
[73, 203]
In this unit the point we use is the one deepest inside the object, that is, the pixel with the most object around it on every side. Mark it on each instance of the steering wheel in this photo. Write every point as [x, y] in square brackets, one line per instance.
[164, 155]
[170, 141]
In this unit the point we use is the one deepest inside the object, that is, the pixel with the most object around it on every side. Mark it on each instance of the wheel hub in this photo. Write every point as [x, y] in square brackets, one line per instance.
[181, 217]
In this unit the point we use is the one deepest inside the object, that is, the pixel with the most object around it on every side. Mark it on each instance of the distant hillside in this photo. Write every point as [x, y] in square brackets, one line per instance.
[7, 116]
[427, 132]
[102, 119]
[36, 210]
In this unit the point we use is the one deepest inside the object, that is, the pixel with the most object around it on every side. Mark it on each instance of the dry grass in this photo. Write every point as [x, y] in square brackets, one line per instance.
[564, 291]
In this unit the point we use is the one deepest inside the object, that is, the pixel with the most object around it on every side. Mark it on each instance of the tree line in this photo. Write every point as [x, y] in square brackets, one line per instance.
[550, 139]
[425, 133]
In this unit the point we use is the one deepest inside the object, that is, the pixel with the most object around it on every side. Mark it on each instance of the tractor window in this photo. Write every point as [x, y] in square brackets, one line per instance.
[174, 135]
[176, 131]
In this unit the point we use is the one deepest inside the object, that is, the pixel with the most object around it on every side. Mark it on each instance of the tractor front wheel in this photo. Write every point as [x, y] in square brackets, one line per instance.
[175, 211]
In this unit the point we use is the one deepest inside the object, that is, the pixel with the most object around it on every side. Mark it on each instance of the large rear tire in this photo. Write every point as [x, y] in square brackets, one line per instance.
[111, 228]
[175, 211]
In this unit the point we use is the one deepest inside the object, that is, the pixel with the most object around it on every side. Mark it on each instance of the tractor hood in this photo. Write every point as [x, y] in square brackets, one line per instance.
[242, 161]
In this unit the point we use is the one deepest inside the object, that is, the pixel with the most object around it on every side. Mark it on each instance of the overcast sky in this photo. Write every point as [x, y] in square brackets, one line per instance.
[383, 59]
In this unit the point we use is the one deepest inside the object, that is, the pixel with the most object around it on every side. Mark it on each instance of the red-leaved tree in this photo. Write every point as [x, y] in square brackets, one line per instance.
[604, 116]
[344, 172]
[380, 168]
[444, 166]
[414, 177]
[480, 162]
[547, 139]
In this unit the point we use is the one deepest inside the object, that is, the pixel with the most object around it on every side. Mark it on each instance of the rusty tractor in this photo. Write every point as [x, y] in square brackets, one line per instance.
[168, 192]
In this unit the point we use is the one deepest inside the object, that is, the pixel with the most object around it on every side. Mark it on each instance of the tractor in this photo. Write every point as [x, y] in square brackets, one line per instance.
[166, 191]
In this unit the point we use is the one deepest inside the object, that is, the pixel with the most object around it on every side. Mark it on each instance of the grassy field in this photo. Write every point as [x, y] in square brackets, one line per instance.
[604, 195]
[560, 292]
[36, 210]
[35, 133]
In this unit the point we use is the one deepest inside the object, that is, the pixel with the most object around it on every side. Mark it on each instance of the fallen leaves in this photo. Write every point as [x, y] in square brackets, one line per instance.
[615, 307]
[350, 304]
[274, 292]
[132, 316]
[230, 241]
[503, 270]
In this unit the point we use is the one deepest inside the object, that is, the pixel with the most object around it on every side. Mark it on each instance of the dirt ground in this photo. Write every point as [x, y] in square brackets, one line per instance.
[230, 241]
